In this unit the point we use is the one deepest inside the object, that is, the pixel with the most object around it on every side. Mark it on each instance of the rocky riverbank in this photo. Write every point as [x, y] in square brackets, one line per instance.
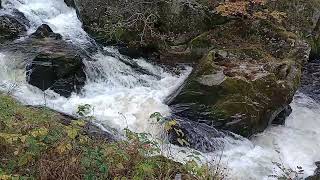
[38, 143]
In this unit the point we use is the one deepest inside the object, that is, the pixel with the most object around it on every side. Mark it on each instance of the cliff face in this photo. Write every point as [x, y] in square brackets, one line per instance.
[247, 55]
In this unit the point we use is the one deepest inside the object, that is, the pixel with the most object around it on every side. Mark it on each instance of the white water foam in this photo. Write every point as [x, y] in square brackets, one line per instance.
[120, 100]
[297, 143]
[124, 98]
[120, 96]
[61, 18]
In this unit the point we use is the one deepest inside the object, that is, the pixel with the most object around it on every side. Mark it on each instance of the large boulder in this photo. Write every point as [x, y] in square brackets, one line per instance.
[61, 71]
[248, 78]
[10, 28]
[52, 62]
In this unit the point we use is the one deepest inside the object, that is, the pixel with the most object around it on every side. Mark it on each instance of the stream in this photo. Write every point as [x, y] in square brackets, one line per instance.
[123, 98]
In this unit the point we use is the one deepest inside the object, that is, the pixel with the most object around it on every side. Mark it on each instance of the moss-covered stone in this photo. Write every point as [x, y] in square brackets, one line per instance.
[301, 17]
[249, 76]
[162, 25]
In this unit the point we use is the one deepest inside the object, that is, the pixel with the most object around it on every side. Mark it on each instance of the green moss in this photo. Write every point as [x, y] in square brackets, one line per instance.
[201, 41]
[237, 85]
[207, 65]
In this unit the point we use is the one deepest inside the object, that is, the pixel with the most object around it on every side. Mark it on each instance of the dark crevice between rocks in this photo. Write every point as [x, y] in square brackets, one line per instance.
[310, 82]
[280, 119]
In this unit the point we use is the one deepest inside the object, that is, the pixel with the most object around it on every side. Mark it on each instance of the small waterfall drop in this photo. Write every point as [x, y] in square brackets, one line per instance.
[124, 97]
[120, 95]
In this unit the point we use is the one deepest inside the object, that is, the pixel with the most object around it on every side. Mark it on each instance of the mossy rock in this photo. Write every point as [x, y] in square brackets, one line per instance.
[301, 17]
[169, 24]
[249, 77]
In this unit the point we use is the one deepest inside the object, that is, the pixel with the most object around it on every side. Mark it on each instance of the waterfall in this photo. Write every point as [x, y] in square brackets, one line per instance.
[122, 97]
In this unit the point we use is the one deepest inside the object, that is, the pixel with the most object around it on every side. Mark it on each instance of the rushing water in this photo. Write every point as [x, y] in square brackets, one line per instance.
[124, 98]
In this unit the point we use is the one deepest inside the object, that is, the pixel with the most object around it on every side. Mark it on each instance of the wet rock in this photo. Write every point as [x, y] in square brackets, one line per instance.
[44, 31]
[60, 71]
[200, 136]
[52, 63]
[70, 3]
[247, 80]
[93, 131]
[10, 28]
[19, 16]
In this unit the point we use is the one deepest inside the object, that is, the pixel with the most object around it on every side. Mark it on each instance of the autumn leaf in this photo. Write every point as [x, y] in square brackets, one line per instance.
[10, 138]
[169, 125]
[41, 132]
[64, 147]
[72, 132]
[80, 123]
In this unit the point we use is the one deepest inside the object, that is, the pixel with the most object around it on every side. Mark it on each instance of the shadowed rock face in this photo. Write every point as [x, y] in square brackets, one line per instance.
[200, 136]
[159, 29]
[310, 83]
[60, 71]
[58, 68]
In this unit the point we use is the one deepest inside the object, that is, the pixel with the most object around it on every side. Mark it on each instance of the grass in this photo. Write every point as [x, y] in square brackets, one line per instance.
[36, 143]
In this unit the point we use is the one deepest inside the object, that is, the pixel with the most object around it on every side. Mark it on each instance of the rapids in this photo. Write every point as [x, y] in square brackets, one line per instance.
[123, 98]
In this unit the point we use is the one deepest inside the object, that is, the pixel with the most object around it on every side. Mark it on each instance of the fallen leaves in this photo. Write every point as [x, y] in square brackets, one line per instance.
[41, 132]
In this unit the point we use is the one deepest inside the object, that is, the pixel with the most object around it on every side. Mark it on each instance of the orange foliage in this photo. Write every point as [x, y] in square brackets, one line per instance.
[238, 7]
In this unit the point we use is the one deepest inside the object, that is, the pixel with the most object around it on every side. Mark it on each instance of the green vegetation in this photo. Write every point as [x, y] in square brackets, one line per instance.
[37, 143]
